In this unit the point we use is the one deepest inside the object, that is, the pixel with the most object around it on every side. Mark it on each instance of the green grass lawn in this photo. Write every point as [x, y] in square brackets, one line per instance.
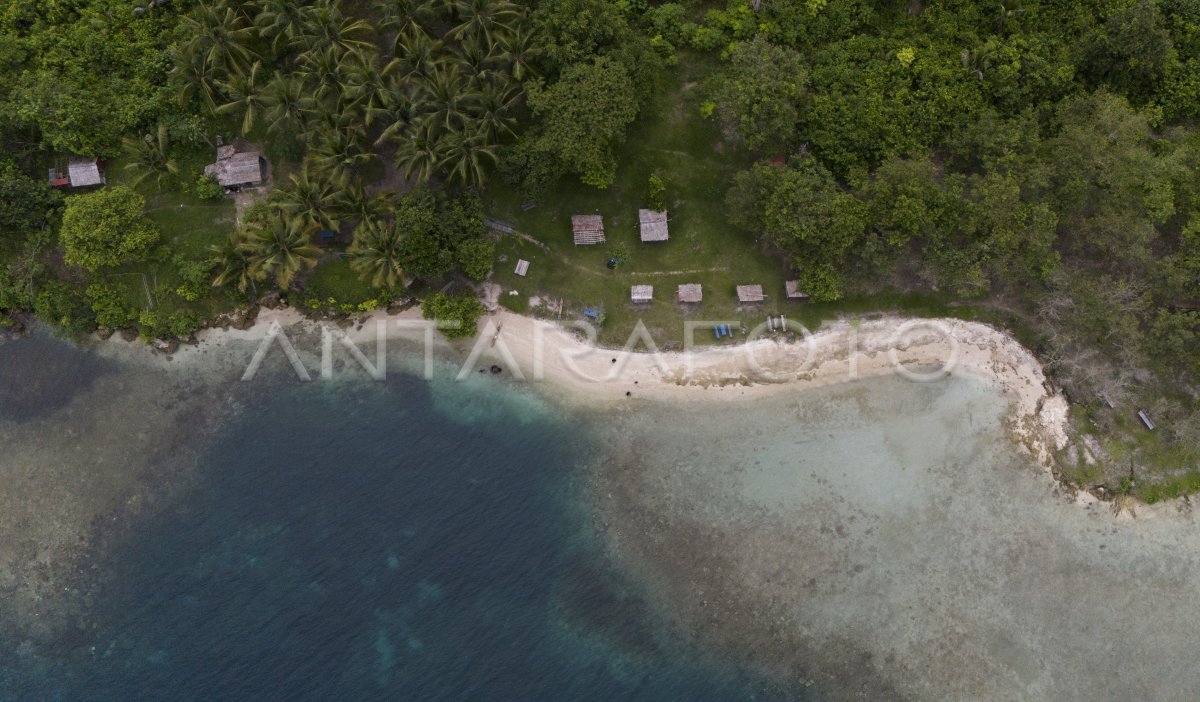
[333, 279]
[687, 151]
[690, 154]
[189, 227]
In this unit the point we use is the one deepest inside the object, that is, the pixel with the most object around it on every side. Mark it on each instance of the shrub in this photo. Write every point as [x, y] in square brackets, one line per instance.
[657, 193]
[207, 188]
[460, 314]
[65, 308]
[106, 228]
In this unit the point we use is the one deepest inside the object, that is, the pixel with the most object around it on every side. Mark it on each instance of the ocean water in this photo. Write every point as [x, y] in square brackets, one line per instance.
[352, 540]
[172, 534]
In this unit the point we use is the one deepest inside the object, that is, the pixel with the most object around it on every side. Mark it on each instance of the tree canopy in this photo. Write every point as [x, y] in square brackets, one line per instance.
[106, 228]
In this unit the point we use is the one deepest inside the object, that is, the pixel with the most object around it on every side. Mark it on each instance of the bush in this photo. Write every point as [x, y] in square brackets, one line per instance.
[63, 307]
[666, 21]
[460, 314]
[106, 228]
[207, 188]
[108, 307]
[657, 193]
[475, 257]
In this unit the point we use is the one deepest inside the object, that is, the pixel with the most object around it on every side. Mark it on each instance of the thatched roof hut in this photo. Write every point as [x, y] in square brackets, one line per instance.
[233, 169]
[589, 229]
[749, 293]
[83, 172]
[793, 290]
[641, 293]
[654, 225]
[690, 292]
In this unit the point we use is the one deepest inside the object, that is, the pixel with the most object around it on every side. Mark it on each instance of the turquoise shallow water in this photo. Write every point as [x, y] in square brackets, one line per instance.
[401, 540]
[183, 536]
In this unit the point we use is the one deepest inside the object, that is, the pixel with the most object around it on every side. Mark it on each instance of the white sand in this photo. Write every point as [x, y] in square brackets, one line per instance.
[563, 363]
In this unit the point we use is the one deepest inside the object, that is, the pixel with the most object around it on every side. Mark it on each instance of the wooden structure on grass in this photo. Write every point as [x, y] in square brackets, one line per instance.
[588, 229]
[690, 293]
[653, 224]
[1146, 419]
[641, 293]
[236, 170]
[793, 290]
[750, 293]
[522, 267]
[81, 173]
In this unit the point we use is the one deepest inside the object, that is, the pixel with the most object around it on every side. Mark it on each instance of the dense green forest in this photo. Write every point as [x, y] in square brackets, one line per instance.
[1036, 157]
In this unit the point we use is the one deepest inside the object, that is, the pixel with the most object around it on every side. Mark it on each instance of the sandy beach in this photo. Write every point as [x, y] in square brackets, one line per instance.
[563, 363]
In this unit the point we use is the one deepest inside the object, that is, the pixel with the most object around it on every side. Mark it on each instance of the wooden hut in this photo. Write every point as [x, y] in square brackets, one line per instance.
[234, 169]
[690, 293]
[589, 229]
[793, 290]
[84, 172]
[522, 267]
[641, 293]
[653, 224]
[749, 293]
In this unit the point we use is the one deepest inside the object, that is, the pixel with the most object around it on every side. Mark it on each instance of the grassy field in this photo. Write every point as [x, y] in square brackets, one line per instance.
[687, 151]
[690, 154]
[189, 226]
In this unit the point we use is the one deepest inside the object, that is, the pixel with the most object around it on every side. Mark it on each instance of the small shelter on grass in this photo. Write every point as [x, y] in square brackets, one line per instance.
[654, 225]
[641, 293]
[690, 292]
[84, 172]
[749, 293]
[793, 290]
[522, 267]
[588, 229]
[236, 170]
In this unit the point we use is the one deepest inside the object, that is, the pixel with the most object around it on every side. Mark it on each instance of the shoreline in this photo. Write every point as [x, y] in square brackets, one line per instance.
[571, 372]
[581, 375]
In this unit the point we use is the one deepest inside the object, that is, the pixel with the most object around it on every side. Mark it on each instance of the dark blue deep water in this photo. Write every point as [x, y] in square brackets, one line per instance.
[357, 542]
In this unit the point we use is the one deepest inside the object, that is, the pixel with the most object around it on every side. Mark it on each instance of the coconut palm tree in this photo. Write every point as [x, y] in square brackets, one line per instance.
[367, 86]
[417, 157]
[377, 253]
[194, 78]
[477, 59]
[340, 153]
[326, 26]
[492, 108]
[309, 197]
[280, 21]
[219, 36]
[400, 112]
[280, 247]
[286, 105]
[416, 53]
[519, 52]
[355, 203]
[327, 76]
[150, 157]
[402, 16]
[465, 157]
[232, 263]
[443, 98]
[486, 19]
[246, 96]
